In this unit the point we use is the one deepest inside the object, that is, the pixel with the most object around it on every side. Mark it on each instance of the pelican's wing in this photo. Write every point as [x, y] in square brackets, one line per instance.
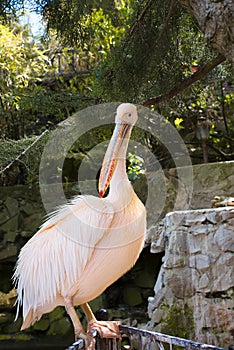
[83, 221]
[55, 257]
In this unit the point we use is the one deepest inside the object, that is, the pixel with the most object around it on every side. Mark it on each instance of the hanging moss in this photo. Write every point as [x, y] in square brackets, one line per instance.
[178, 321]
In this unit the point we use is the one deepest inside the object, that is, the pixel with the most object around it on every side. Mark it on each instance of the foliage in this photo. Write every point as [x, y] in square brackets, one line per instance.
[135, 167]
[153, 59]
[21, 65]
[100, 51]
[212, 101]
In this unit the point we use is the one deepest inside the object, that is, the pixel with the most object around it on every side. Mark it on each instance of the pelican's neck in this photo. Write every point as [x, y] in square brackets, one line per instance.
[119, 179]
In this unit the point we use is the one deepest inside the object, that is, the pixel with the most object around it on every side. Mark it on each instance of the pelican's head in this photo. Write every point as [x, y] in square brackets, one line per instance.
[126, 114]
[126, 117]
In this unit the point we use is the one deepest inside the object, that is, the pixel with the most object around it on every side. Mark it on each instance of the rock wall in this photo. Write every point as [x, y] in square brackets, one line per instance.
[21, 213]
[194, 292]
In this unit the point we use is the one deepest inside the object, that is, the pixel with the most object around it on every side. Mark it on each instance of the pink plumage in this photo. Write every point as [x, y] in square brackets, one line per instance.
[85, 245]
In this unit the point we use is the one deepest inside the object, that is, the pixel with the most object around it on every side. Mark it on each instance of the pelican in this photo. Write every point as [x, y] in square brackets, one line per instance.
[85, 245]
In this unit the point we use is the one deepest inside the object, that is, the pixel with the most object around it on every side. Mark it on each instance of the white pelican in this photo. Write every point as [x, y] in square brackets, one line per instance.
[85, 245]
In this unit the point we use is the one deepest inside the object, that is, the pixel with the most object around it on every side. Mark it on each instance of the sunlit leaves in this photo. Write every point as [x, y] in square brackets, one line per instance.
[22, 63]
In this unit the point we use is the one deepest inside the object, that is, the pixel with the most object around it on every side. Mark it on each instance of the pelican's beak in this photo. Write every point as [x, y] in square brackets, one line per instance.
[116, 149]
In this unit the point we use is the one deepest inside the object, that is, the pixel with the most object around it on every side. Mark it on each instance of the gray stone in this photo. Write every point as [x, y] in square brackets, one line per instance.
[195, 244]
[132, 296]
[203, 283]
[12, 205]
[199, 261]
[8, 252]
[42, 325]
[226, 259]
[5, 318]
[222, 277]
[224, 237]
[27, 208]
[13, 327]
[202, 229]
[32, 222]
[60, 327]
[159, 245]
[157, 316]
[11, 224]
[56, 314]
[175, 260]
[228, 215]
[10, 236]
[4, 215]
[181, 281]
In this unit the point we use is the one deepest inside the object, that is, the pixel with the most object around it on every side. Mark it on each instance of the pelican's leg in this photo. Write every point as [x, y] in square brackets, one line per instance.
[88, 312]
[105, 329]
[78, 328]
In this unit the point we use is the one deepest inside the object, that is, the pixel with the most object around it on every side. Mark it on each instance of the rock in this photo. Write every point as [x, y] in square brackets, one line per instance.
[28, 208]
[31, 223]
[6, 317]
[7, 300]
[224, 238]
[173, 261]
[203, 283]
[60, 327]
[10, 251]
[222, 277]
[144, 279]
[20, 337]
[226, 259]
[96, 303]
[132, 296]
[157, 316]
[42, 325]
[13, 327]
[11, 225]
[195, 244]
[181, 282]
[4, 215]
[5, 337]
[12, 206]
[56, 314]
[199, 261]
[10, 236]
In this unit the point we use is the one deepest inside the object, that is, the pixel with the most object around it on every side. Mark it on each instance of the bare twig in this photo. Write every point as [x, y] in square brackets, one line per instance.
[17, 159]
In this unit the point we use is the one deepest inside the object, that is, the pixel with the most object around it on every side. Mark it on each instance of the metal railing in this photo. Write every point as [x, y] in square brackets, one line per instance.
[139, 339]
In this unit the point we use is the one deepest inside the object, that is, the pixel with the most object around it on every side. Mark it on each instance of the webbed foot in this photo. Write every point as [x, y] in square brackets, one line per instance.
[106, 329]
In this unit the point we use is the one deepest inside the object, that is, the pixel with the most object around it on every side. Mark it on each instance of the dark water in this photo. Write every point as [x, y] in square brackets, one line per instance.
[35, 345]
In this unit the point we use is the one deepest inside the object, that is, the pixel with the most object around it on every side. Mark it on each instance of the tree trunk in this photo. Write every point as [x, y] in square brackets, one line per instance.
[216, 20]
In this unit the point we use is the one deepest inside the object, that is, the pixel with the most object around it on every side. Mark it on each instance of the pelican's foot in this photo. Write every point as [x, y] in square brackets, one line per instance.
[88, 339]
[106, 329]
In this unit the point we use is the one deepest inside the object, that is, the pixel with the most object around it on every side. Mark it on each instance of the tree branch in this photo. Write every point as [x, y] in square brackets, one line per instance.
[166, 21]
[185, 83]
[142, 15]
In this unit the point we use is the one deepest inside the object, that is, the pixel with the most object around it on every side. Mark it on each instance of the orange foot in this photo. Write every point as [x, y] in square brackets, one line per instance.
[105, 329]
